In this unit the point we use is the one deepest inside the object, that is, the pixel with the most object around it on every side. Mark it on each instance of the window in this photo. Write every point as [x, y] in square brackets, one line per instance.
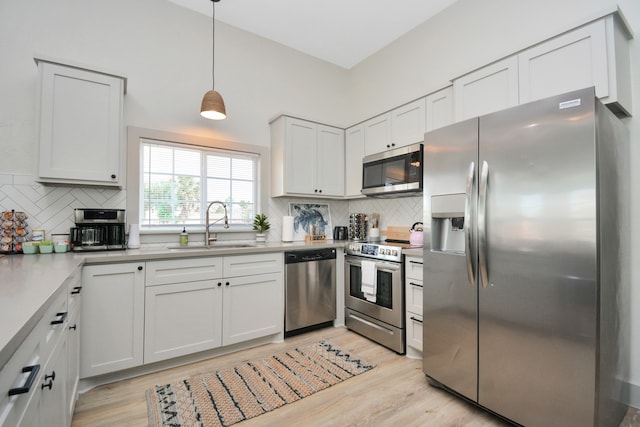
[178, 182]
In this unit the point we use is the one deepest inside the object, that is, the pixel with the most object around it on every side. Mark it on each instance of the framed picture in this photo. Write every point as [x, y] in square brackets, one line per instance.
[308, 214]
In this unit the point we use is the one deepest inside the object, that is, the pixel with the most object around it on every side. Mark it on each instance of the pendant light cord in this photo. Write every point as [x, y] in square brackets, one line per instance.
[213, 45]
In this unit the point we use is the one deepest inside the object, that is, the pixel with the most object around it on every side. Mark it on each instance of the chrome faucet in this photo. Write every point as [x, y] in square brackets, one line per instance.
[207, 236]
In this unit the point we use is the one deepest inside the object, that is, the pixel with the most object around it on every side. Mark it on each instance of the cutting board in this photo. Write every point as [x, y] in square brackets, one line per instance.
[395, 232]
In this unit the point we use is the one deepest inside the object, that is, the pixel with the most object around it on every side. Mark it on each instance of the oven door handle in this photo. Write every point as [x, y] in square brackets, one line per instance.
[380, 266]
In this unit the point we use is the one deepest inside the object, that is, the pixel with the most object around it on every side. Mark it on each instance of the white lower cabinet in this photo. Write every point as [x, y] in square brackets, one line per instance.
[34, 382]
[181, 318]
[53, 388]
[413, 294]
[112, 318]
[74, 325]
[253, 307]
[140, 313]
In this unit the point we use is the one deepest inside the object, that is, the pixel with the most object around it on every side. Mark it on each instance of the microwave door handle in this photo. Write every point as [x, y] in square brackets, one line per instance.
[468, 228]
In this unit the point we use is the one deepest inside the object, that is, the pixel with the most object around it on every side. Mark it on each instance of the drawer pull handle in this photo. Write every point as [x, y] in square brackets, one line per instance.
[51, 379]
[73, 327]
[76, 290]
[62, 318]
[416, 262]
[416, 284]
[415, 319]
[33, 373]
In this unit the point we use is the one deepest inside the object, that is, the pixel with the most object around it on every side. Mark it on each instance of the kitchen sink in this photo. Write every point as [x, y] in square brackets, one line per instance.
[219, 245]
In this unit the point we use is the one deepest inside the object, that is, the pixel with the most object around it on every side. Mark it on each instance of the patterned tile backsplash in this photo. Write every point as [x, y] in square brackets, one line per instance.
[51, 207]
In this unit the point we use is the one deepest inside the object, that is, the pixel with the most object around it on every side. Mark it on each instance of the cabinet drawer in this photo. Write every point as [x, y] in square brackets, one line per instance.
[74, 289]
[25, 364]
[54, 322]
[413, 268]
[246, 265]
[183, 270]
[414, 296]
[414, 331]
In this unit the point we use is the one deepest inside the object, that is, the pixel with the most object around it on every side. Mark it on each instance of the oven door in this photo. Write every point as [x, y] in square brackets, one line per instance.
[389, 302]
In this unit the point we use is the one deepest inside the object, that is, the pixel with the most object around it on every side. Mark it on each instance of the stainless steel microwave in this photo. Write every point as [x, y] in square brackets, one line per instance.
[393, 172]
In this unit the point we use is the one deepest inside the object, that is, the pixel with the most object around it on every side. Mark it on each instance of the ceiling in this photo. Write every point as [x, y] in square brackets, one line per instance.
[343, 32]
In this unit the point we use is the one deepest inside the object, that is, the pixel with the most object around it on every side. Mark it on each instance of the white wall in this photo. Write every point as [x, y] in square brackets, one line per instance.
[470, 34]
[165, 51]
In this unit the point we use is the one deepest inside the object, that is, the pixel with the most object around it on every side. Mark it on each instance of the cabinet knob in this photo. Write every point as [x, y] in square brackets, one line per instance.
[113, 176]
[51, 379]
[226, 284]
[219, 283]
[139, 268]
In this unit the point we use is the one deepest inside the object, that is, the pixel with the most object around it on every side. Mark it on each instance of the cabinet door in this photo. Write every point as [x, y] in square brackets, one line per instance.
[253, 307]
[408, 123]
[182, 318]
[80, 126]
[111, 337]
[330, 161]
[354, 152]
[377, 134]
[73, 358]
[300, 155]
[439, 109]
[53, 403]
[575, 60]
[489, 89]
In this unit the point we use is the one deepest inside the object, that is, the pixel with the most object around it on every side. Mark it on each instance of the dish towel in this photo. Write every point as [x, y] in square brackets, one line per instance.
[369, 286]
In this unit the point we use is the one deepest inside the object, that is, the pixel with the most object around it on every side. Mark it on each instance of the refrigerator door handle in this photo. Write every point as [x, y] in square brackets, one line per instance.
[482, 225]
[468, 228]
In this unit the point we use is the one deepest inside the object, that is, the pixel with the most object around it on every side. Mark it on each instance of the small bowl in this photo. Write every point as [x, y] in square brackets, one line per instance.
[60, 247]
[29, 249]
[46, 249]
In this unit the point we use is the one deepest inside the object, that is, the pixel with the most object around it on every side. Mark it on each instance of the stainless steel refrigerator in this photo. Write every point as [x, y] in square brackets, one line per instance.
[526, 216]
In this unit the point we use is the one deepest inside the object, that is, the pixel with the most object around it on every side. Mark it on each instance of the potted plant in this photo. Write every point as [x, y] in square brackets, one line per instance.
[260, 224]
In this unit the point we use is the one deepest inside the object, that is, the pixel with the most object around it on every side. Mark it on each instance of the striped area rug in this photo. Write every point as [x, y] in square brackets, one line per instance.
[228, 396]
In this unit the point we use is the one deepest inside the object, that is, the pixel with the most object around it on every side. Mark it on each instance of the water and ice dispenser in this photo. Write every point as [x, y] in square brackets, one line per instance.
[447, 223]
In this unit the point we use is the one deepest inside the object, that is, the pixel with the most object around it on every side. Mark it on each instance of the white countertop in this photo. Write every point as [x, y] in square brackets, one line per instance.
[29, 282]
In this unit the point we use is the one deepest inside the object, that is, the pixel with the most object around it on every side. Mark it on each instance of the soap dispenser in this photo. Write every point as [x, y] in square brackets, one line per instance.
[184, 237]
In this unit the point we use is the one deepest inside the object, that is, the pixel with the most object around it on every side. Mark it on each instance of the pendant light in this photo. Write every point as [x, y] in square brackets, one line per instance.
[212, 103]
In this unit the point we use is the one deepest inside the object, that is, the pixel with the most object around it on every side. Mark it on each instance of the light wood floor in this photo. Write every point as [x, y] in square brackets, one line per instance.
[395, 393]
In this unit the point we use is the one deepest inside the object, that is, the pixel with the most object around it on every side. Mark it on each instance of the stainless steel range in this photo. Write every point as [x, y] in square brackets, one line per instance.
[374, 292]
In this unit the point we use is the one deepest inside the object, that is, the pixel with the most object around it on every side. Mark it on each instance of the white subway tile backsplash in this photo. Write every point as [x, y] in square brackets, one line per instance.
[51, 207]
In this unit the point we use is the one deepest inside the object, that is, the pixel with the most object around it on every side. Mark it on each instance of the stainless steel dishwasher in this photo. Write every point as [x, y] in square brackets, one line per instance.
[310, 289]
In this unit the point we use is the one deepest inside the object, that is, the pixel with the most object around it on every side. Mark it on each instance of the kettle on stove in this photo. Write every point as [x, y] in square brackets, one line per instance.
[416, 238]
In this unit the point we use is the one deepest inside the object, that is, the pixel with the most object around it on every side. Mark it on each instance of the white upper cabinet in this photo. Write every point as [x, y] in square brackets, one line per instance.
[439, 109]
[408, 123]
[80, 126]
[307, 158]
[596, 54]
[377, 134]
[354, 150]
[401, 126]
[491, 88]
